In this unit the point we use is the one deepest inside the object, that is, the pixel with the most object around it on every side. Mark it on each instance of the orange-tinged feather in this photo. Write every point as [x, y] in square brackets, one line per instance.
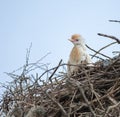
[75, 36]
[75, 54]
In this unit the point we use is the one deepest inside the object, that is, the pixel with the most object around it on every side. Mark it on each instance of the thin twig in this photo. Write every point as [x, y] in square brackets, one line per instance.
[103, 48]
[58, 104]
[78, 84]
[111, 37]
[70, 108]
[114, 21]
[55, 71]
[110, 108]
[92, 89]
[98, 53]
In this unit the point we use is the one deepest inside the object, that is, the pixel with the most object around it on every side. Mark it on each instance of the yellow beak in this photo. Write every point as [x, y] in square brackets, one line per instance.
[71, 40]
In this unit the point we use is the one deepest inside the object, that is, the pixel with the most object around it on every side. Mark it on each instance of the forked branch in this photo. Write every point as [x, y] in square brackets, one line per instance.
[111, 37]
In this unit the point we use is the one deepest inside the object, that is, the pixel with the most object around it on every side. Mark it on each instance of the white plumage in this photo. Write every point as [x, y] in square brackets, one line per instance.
[78, 54]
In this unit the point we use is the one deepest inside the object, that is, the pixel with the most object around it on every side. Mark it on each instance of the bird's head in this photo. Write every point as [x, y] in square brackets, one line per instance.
[77, 39]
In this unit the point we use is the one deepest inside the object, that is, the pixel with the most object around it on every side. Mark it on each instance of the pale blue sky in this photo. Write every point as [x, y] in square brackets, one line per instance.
[48, 24]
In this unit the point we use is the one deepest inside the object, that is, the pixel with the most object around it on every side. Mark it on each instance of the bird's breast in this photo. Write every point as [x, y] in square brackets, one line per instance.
[75, 55]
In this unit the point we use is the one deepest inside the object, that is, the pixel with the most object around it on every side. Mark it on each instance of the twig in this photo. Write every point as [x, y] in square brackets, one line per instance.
[97, 82]
[92, 89]
[31, 65]
[58, 104]
[85, 98]
[97, 57]
[112, 100]
[103, 48]
[114, 21]
[112, 63]
[98, 53]
[70, 108]
[111, 107]
[78, 84]
[54, 71]
[28, 54]
[64, 64]
[111, 37]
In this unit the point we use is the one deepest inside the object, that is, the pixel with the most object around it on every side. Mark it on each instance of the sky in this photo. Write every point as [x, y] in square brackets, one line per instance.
[48, 24]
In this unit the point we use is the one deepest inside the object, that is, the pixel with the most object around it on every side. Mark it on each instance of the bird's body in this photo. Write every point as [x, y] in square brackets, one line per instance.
[78, 54]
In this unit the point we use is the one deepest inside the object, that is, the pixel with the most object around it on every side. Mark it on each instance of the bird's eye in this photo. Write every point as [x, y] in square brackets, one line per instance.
[77, 40]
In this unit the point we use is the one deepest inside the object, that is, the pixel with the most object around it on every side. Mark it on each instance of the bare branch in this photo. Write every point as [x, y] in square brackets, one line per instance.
[90, 92]
[103, 48]
[97, 52]
[111, 37]
[114, 21]
[78, 84]
[58, 104]
[110, 108]
[55, 71]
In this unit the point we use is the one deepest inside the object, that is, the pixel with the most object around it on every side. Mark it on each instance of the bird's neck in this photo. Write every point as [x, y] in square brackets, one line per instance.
[80, 46]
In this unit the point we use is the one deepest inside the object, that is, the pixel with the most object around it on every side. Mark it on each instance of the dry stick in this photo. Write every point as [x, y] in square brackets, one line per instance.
[114, 86]
[111, 37]
[92, 89]
[85, 98]
[55, 68]
[103, 48]
[28, 54]
[70, 108]
[78, 84]
[112, 100]
[110, 108]
[97, 57]
[55, 71]
[111, 65]
[98, 53]
[58, 104]
[114, 21]
[31, 63]
[104, 96]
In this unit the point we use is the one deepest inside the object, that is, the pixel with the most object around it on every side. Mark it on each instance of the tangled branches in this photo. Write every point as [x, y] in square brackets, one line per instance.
[92, 92]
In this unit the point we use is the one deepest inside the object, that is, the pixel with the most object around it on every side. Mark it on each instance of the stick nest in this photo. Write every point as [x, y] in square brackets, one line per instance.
[91, 92]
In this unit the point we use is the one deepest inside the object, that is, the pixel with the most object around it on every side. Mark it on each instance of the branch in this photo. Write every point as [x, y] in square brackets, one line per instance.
[114, 21]
[55, 70]
[111, 37]
[78, 84]
[97, 52]
[103, 48]
[110, 108]
[58, 104]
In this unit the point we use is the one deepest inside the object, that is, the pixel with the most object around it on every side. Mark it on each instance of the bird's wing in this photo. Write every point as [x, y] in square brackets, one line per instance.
[88, 58]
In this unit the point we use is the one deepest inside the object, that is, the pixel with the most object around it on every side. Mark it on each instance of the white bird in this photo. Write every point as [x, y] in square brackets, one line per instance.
[78, 54]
